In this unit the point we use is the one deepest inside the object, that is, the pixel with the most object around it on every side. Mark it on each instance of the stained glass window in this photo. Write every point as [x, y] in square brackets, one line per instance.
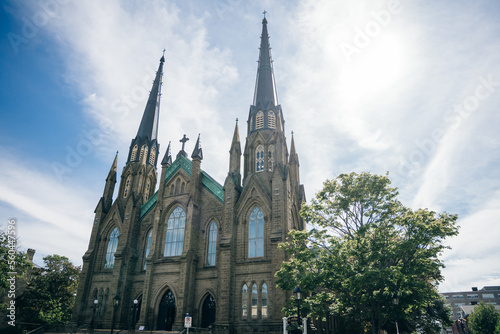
[174, 239]
[256, 233]
[259, 158]
[212, 244]
[110, 252]
[148, 247]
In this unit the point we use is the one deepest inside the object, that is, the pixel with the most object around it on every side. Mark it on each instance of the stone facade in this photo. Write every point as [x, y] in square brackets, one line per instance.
[196, 246]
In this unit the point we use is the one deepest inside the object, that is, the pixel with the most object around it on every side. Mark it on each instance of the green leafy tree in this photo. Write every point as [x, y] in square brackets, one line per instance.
[366, 251]
[50, 295]
[483, 320]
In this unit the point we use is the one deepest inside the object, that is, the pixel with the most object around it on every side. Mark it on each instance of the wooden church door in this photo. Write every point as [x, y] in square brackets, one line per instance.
[208, 312]
[166, 312]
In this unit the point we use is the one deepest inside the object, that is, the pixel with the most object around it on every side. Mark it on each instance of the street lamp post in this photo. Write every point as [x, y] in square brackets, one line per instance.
[94, 309]
[395, 300]
[116, 303]
[134, 316]
[298, 296]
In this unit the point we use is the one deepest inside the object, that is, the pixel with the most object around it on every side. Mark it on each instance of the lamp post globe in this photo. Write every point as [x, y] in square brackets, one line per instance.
[94, 309]
[134, 314]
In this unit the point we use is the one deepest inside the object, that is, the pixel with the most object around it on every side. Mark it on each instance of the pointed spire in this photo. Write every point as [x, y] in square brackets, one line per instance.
[112, 170]
[149, 122]
[167, 158]
[294, 157]
[109, 187]
[265, 87]
[236, 137]
[197, 152]
[235, 152]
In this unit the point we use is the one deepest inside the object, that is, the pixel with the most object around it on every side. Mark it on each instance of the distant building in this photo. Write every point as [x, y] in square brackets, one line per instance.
[196, 246]
[464, 302]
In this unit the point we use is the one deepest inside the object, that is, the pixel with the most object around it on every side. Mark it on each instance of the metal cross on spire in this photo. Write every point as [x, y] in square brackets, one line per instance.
[264, 12]
[183, 141]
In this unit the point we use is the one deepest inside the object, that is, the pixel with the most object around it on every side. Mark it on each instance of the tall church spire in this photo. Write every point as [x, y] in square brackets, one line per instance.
[265, 112]
[149, 124]
[144, 147]
[266, 143]
[265, 87]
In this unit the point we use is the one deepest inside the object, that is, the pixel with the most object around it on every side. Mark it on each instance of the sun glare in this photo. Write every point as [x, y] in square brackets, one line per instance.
[376, 67]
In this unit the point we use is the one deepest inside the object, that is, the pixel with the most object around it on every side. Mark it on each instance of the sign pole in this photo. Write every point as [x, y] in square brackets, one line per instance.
[187, 322]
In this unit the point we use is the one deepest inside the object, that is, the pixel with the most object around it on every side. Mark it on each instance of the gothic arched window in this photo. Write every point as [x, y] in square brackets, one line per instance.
[174, 238]
[271, 120]
[133, 156]
[110, 251]
[259, 120]
[254, 301]
[212, 244]
[148, 248]
[146, 190]
[152, 156]
[256, 233]
[100, 303]
[264, 300]
[270, 158]
[145, 156]
[141, 155]
[259, 158]
[128, 184]
[105, 302]
[244, 300]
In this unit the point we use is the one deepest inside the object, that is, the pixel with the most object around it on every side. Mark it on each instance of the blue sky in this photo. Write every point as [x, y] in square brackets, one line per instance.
[411, 88]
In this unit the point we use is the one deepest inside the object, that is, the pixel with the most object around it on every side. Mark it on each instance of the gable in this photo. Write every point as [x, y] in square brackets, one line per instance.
[185, 164]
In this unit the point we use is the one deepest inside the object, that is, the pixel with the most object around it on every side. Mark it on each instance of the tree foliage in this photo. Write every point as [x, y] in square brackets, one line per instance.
[483, 320]
[366, 249]
[50, 295]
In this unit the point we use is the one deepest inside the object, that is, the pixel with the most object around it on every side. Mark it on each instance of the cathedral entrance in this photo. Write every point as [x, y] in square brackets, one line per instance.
[208, 312]
[166, 312]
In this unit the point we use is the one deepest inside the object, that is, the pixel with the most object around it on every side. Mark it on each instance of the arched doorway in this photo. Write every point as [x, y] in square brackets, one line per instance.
[166, 312]
[208, 311]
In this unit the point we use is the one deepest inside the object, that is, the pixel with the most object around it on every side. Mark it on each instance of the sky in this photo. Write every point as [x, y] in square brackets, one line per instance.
[406, 87]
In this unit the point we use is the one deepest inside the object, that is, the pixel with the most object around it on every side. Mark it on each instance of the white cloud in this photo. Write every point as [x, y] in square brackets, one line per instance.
[52, 217]
[473, 258]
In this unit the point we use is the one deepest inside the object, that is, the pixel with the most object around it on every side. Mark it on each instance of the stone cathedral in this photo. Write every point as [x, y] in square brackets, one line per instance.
[196, 246]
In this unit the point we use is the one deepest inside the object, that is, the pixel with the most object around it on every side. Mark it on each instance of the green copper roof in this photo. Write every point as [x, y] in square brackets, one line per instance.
[187, 165]
[146, 207]
[180, 162]
[213, 186]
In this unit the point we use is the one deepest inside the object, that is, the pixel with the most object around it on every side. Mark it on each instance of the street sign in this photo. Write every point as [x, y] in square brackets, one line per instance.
[187, 321]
